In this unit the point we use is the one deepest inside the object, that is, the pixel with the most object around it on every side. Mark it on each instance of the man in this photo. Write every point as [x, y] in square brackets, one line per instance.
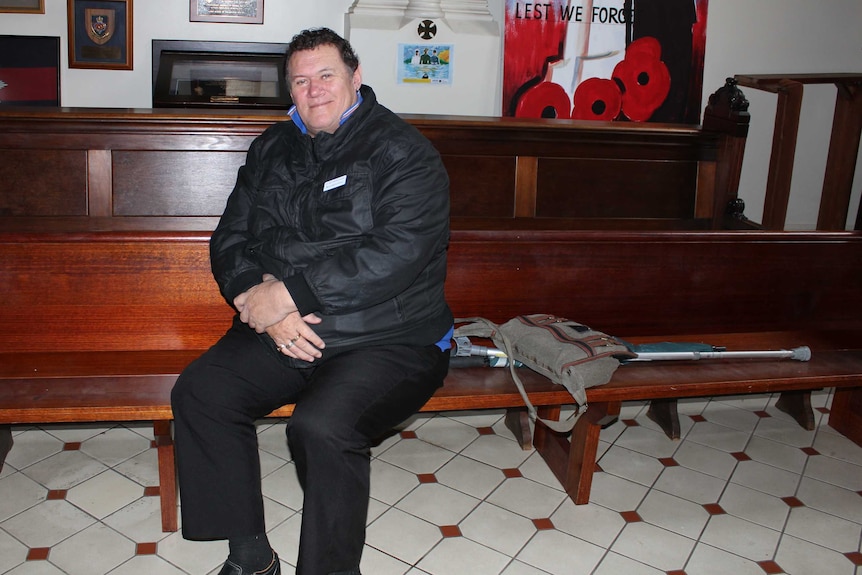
[332, 249]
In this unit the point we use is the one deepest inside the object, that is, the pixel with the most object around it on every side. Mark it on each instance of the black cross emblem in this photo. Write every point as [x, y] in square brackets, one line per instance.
[427, 29]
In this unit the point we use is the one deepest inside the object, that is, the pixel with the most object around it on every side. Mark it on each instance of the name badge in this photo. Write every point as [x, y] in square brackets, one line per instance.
[335, 183]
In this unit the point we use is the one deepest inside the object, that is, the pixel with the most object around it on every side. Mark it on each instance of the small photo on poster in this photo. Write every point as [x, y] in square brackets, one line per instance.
[425, 64]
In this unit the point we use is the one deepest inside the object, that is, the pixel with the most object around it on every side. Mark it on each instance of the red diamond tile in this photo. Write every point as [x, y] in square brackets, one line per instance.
[426, 478]
[543, 524]
[770, 567]
[56, 494]
[152, 491]
[677, 572]
[741, 456]
[855, 557]
[598, 468]
[450, 531]
[72, 446]
[714, 509]
[38, 553]
[792, 502]
[407, 434]
[485, 430]
[631, 516]
[762, 414]
[153, 444]
[512, 472]
[668, 461]
[146, 549]
[630, 423]
[810, 451]
[697, 418]
[823, 409]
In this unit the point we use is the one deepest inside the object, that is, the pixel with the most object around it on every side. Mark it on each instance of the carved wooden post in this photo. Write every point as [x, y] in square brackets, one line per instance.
[727, 114]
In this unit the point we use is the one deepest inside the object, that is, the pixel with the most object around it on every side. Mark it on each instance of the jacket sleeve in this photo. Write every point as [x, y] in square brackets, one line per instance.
[232, 258]
[410, 204]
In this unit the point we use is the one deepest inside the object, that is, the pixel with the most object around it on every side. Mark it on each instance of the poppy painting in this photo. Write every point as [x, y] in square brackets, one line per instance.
[638, 61]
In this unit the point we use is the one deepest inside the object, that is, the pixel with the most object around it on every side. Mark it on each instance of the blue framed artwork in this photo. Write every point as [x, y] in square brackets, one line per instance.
[100, 34]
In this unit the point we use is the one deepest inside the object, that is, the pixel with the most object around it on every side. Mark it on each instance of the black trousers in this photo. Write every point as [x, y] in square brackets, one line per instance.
[342, 406]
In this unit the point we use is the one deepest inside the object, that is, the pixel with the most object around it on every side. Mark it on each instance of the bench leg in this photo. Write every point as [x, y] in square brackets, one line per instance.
[518, 422]
[664, 413]
[574, 463]
[167, 475]
[5, 443]
[797, 404]
[845, 415]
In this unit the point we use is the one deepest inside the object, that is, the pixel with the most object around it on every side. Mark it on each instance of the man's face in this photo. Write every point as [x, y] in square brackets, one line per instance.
[322, 87]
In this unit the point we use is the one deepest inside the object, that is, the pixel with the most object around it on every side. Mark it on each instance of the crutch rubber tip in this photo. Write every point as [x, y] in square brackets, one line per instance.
[801, 353]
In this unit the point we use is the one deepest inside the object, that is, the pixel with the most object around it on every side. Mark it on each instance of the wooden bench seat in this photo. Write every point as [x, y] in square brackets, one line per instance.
[99, 323]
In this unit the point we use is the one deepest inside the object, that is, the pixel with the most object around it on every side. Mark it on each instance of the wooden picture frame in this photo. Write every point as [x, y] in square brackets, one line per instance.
[23, 6]
[100, 34]
[230, 11]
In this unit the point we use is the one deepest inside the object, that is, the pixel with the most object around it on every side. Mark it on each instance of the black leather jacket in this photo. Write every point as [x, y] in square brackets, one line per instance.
[355, 223]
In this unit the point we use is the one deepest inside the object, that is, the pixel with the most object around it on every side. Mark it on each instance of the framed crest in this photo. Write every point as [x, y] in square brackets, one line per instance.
[100, 34]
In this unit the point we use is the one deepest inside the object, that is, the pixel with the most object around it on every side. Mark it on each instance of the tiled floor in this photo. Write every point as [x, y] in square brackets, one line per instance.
[746, 491]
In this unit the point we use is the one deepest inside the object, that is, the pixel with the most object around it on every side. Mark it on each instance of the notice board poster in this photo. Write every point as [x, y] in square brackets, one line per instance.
[630, 60]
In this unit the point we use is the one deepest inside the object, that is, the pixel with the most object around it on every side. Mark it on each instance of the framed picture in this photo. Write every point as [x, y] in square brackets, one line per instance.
[100, 34]
[29, 71]
[23, 6]
[235, 11]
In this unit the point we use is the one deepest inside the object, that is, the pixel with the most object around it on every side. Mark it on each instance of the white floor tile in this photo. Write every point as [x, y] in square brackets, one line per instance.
[831, 499]
[765, 478]
[560, 554]
[835, 471]
[93, 551]
[47, 524]
[798, 557]
[456, 555]
[631, 465]
[741, 537]
[755, 506]
[403, 536]
[689, 484]
[673, 514]
[527, 498]
[494, 514]
[708, 560]
[705, 459]
[115, 445]
[498, 528]
[616, 564]
[653, 546]
[438, 504]
[592, 523]
[104, 494]
[823, 529]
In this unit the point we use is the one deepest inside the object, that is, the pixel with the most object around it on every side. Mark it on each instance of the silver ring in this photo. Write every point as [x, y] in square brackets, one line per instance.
[284, 346]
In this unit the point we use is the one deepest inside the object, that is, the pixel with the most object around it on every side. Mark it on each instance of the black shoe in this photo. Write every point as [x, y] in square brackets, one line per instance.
[231, 568]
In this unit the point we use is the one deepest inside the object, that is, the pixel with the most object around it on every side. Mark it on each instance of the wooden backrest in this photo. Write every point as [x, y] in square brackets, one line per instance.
[134, 291]
[183, 163]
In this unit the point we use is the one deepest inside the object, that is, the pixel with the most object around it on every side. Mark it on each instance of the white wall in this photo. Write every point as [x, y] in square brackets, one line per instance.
[743, 36]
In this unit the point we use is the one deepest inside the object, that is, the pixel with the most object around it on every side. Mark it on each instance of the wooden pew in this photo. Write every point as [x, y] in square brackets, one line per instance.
[98, 324]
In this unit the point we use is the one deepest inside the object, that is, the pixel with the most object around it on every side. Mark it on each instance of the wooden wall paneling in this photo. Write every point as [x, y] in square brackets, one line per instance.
[609, 188]
[99, 183]
[43, 183]
[173, 183]
[481, 185]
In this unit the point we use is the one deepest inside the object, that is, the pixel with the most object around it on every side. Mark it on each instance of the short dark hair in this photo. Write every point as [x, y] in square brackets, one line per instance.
[315, 37]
